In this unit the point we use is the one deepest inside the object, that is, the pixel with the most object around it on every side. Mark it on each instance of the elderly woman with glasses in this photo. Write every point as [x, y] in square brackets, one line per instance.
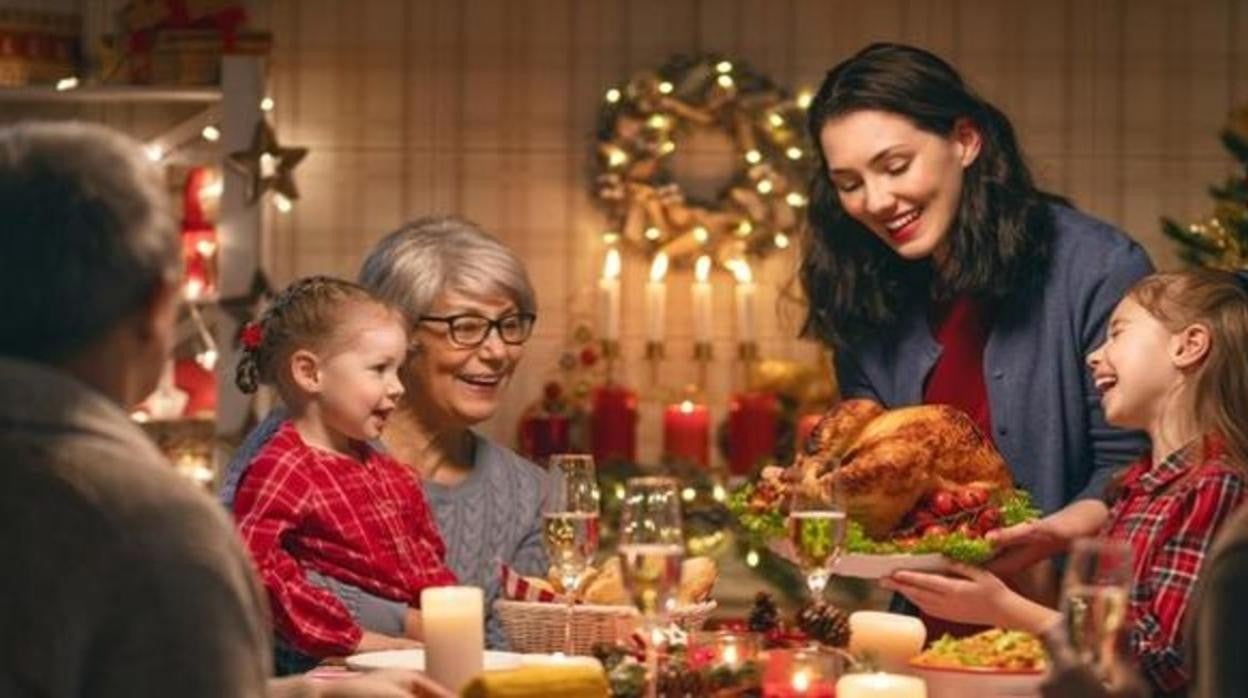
[472, 308]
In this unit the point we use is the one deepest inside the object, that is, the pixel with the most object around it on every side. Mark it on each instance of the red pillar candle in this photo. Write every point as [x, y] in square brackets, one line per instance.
[687, 433]
[542, 435]
[613, 424]
[805, 426]
[752, 421]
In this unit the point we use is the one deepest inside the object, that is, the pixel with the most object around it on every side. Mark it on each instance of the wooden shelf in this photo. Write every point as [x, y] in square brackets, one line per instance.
[113, 94]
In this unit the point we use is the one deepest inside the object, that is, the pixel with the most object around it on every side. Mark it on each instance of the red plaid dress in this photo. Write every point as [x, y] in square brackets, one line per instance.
[363, 522]
[1170, 513]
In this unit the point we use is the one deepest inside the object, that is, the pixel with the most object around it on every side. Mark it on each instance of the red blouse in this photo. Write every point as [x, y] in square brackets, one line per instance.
[1170, 512]
[363, 522]
[960, 326]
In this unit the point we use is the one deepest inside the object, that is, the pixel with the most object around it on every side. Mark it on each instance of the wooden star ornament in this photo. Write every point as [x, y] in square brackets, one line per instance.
[267, 165]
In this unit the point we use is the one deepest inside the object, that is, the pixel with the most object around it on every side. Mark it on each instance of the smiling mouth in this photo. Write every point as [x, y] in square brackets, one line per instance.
[903, 225]
[1105, 383]
[482, 381]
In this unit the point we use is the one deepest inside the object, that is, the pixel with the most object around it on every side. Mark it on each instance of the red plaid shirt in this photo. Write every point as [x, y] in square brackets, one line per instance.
[365, 523]
[1170, 513]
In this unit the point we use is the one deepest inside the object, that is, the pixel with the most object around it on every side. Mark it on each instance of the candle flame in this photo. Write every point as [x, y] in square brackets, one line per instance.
[658, 269]
[611, 266]
[686, 406]
[741, 270]
[801, 680]
[730, 656]
[702, 269]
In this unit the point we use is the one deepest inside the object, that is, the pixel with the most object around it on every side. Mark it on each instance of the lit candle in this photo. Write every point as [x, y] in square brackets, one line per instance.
[745, 301]
[686, 433]
[702, 300]
[880, 686]
[656, 299]
[892, 639]
[798, 674]
[609, 296]
[453, 622]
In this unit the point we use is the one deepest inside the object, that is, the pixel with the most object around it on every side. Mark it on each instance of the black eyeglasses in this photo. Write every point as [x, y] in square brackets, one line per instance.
[468, 331]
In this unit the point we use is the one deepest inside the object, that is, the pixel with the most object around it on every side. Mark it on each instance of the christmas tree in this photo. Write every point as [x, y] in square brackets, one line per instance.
[1221, 240]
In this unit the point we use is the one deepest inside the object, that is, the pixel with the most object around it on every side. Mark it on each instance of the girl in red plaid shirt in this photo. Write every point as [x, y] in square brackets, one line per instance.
[318, 500]
[1172, 364]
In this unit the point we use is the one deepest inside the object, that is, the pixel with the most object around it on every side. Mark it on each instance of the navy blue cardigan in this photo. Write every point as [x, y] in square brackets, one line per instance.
[1046, 413]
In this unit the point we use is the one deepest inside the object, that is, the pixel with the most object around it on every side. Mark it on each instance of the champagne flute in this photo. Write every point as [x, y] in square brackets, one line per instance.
[570, 525]
[651, 551]
[817, 525]
[1094, 598]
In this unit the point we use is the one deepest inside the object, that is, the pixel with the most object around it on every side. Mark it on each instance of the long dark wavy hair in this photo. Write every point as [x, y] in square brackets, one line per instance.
[855, 285]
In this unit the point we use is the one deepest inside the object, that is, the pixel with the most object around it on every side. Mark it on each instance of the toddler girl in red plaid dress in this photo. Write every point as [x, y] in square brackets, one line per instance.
[318, 502]
[1173, 365]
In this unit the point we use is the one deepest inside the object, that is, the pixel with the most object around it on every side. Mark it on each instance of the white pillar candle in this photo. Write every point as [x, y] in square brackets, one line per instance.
[453, 622]
[880, 686]
[702, 300]
[609, 296]
[656, 299]
[892, 639]
[744, 293]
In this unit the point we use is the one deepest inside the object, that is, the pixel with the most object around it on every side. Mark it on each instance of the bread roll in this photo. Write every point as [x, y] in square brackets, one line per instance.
[607, 586]
[697, 580]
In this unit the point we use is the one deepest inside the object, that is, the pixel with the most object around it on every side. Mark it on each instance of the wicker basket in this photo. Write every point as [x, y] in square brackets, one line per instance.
[538, 627]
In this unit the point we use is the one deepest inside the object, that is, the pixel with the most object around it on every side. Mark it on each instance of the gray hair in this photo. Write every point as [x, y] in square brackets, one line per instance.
[412, 266]
[86, 236]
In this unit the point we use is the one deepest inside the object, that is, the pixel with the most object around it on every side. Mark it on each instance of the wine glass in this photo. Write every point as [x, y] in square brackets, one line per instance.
[1094, 598]
[817, 525]
[570, 524]
[651, 551]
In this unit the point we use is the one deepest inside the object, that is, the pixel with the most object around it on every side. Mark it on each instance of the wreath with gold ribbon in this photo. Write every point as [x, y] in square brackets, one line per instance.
[641, 127]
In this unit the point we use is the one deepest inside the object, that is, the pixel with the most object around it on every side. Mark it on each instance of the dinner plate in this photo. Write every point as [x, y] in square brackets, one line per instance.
[876, 566]
[414, 660]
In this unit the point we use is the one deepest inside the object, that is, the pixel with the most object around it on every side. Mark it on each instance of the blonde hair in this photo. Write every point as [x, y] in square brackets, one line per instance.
[1219, 301]
[308, 314]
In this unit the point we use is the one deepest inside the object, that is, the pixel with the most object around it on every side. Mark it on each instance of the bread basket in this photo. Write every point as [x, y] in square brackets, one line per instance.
[538, 627]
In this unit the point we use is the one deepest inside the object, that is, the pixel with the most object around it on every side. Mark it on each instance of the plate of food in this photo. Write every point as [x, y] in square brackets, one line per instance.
[921, 486]
[414, 660]
[992, 663]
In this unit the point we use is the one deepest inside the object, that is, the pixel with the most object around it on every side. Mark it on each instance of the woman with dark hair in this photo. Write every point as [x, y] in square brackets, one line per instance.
[939, 272]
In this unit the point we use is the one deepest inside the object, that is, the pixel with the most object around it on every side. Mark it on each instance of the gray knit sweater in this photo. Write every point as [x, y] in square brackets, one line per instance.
[492, 517]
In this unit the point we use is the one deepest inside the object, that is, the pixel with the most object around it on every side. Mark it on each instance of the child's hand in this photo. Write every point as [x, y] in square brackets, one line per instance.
[376, 642]
[972, 596]
[383, 684]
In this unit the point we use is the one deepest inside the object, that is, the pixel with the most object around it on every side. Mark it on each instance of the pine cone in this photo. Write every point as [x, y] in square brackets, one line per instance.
[825, 623]
[764, 616]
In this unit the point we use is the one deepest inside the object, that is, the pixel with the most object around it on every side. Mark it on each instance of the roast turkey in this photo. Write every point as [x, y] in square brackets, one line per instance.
[880, 463]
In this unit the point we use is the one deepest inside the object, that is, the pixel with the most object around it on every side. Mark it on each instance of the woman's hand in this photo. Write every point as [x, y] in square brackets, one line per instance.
[376, 642]
[1022, 545]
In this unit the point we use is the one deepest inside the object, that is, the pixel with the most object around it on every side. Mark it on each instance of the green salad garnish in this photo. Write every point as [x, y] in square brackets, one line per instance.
[770, 523]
